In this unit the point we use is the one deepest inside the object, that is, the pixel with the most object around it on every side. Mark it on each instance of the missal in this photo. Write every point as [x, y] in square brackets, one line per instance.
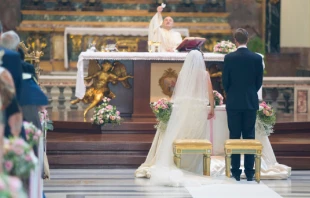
[190, 43]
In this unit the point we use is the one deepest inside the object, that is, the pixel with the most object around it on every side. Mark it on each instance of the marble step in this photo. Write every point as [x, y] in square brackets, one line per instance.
[95, 161]
[296, 162]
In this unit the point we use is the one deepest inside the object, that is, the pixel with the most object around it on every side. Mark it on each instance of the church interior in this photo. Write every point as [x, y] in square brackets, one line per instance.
[66, 39]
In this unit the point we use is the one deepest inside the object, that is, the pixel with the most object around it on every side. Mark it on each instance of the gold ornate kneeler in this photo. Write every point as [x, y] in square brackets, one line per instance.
[193, 146]
[244, 147]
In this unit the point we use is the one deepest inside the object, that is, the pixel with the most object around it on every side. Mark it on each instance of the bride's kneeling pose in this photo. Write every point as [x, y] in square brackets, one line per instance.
[191, 97]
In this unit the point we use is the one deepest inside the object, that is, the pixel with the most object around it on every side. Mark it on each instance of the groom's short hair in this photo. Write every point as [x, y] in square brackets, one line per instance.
[241, 36]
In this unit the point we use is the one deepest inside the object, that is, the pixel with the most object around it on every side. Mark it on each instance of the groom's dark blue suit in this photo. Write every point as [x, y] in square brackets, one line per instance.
[242, 78]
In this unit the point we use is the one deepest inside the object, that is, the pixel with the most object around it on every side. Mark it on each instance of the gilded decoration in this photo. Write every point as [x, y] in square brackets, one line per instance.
[100, 75]
[37, 43]
[216, 78]
[34, 55]
[127, 45]
[167, 81]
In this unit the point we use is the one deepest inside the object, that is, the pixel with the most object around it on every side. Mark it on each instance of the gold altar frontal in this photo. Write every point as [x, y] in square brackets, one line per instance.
[244, 147]
[193, 146]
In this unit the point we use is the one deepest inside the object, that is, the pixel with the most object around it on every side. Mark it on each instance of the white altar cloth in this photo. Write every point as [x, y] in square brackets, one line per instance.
[219, 132]
[161, 56]
[109, 32]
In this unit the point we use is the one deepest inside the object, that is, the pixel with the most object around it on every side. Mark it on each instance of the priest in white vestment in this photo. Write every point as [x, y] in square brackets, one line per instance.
[161, 31]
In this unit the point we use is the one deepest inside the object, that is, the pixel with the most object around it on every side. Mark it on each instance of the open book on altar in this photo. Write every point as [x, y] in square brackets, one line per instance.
[190, 42]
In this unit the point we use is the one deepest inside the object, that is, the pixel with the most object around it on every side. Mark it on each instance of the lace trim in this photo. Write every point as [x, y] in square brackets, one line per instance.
[145, 56]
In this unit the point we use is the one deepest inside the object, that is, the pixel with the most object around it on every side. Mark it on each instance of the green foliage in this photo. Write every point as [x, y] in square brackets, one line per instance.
[256, 44]
[268, 120]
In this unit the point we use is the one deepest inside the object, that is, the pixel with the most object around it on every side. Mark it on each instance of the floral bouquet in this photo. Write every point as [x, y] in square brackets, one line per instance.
[224, 47]
[18, 158]
[218, 98]
[162, 110]
[106, 113]
[11, 187]
[266, 119]
[46, 123]
[32, 133]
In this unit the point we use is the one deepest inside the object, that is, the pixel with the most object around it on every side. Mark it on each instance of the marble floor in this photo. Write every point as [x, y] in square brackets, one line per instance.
[95, 183]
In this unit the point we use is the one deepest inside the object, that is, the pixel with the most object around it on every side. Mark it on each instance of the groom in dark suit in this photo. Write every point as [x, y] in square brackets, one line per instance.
[242, 78]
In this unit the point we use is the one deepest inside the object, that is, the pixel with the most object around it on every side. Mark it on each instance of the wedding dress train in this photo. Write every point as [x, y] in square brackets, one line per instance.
[270, 168]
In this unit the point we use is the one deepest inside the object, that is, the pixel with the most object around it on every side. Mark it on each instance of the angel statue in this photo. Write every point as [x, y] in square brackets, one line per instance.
[98, 79]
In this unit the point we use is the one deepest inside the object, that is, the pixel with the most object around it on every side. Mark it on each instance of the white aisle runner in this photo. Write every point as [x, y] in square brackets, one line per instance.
[243, 189]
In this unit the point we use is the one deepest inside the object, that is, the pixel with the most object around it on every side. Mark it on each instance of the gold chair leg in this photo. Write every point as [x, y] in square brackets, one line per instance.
[257, 167]
[177, 160]
[206, 164]
[228, 163]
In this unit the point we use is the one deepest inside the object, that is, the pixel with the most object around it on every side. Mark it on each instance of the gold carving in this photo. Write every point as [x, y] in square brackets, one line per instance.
[33, 57]
[167, 81]
[128, 45]
[36, 42]
[76, 43]
[98, 79]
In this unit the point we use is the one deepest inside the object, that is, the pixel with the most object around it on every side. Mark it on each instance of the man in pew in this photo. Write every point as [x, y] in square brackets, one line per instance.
[13, 114]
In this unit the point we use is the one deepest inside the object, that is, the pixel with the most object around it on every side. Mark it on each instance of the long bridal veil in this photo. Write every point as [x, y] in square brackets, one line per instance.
[188, 120]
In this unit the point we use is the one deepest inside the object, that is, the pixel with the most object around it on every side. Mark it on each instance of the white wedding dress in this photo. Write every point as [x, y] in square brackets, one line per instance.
[188, 120]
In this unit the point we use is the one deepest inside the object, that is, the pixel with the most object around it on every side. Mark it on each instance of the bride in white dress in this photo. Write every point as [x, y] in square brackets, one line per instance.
[188, 120]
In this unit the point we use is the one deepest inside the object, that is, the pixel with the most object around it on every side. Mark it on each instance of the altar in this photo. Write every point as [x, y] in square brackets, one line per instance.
[106, 32]
[154, 75]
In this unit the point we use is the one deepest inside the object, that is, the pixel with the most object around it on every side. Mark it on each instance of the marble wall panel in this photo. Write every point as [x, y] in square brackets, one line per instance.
[245, 14]
[10, 14]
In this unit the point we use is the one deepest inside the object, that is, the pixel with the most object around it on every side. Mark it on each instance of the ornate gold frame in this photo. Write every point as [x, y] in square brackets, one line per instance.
[169, 73]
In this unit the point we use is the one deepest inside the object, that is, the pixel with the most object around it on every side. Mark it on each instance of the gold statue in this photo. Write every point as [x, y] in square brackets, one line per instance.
[98, 79]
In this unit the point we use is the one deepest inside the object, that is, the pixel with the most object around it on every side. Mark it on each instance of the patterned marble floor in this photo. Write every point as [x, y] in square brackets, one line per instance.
[94, 183]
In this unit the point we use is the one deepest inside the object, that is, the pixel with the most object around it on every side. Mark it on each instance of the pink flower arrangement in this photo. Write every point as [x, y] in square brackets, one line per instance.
[18, 160]
[33, 134]
[106, 113]
[266, 114]
[162, 109]
[224, 47]
[267, 110]
[11, 187]
[218, 98]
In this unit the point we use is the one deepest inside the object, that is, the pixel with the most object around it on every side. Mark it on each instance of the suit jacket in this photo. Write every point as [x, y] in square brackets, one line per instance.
[242, 77]
[11, 61]
[37, 96]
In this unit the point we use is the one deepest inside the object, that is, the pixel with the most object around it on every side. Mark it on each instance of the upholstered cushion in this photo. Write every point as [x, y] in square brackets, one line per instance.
[242, 142]
[192, 142]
